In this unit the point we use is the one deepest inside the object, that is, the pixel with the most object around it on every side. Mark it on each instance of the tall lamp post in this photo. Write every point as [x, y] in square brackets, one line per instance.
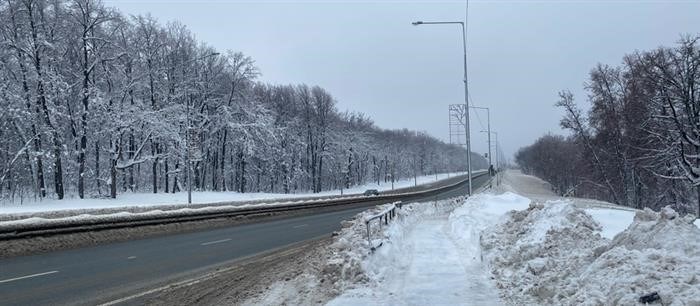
[187, 135]
[488, 125]
[466, 91]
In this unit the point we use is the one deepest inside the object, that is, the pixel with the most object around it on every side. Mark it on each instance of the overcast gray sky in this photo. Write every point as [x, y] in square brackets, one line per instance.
[367, 54]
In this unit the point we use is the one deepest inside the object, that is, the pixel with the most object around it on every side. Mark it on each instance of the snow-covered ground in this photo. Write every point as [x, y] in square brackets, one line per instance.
[500, 247]
[348, 262]
[424, 264]
[557, 254]
[151, 199]
[612, 221]
[430, 255]
[585, 252]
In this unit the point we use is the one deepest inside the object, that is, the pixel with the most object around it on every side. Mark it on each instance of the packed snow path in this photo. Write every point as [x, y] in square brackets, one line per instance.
[439, 273]
[432, 270]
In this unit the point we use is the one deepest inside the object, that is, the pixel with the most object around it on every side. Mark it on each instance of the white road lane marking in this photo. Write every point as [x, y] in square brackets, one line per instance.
[301, 225]
[131, 257]
[217, 241]
[26, 276]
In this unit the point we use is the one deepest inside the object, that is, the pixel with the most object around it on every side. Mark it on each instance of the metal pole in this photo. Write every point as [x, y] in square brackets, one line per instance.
[466, 109]
[187, 135]
[498, 161]
[466, 93]
[189, 158]
[488, 124]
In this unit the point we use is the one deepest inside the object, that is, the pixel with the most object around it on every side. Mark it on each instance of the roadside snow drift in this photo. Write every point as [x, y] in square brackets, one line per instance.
[348, 262]
[478, 213]
[554, 254]
[433, 257]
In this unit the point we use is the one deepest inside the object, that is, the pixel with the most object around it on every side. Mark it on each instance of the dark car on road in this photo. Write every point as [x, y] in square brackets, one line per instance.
[371, 192]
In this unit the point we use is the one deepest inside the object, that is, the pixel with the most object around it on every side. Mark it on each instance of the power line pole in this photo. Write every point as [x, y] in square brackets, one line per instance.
[488, 125]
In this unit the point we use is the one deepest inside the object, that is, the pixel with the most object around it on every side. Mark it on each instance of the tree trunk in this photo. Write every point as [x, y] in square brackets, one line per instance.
[113, 177]
[154, 167]
[97, 166]
[167, 175]
[132, 148]
[223, 161]
[83, 119]
[175, 181]
[36, 120]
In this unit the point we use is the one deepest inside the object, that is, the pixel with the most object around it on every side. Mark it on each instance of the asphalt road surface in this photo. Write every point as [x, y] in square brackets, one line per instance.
[109, 272]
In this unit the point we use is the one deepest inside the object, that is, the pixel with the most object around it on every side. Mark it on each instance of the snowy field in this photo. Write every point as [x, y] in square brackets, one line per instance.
[502, 248]
[151, 199]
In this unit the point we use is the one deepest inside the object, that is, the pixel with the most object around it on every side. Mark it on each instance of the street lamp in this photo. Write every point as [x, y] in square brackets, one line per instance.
[488, 124]
[187, 134]
[466, 91]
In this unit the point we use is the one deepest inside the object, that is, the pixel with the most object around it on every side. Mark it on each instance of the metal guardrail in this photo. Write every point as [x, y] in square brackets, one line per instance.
[383, 217]
[17, 231]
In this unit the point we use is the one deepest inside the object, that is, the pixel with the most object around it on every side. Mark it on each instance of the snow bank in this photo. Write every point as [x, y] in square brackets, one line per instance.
[612, 221]
[348, 262]
[125, 216]
[554, 254]
[479, 212]
[431, 257]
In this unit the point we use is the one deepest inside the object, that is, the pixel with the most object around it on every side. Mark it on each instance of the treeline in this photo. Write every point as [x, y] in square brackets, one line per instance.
[95, 103]
[639, 145]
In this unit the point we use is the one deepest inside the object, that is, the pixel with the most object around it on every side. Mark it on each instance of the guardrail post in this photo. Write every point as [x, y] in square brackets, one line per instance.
[369, 237]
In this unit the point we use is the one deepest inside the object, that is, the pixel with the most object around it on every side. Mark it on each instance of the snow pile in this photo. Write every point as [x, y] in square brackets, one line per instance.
[432, 257]
[613, 221]
[348, 261]
[33, 222]
[554, 254]
[479, 212]
[659, 252]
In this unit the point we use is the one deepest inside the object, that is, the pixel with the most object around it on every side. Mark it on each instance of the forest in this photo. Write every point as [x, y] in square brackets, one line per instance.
[639, 143]
[95, 103]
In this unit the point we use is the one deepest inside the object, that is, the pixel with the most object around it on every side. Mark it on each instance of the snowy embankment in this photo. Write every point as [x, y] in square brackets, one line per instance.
[557, 254]
[143, 201]
[478, 213]
[348, 262]
[505, 249]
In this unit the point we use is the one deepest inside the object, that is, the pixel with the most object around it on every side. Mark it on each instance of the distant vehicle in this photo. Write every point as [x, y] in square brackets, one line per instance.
[371, 192]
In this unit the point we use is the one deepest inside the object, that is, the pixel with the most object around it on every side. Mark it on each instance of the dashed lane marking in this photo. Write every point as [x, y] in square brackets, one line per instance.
[26, 276]
[217, 241]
